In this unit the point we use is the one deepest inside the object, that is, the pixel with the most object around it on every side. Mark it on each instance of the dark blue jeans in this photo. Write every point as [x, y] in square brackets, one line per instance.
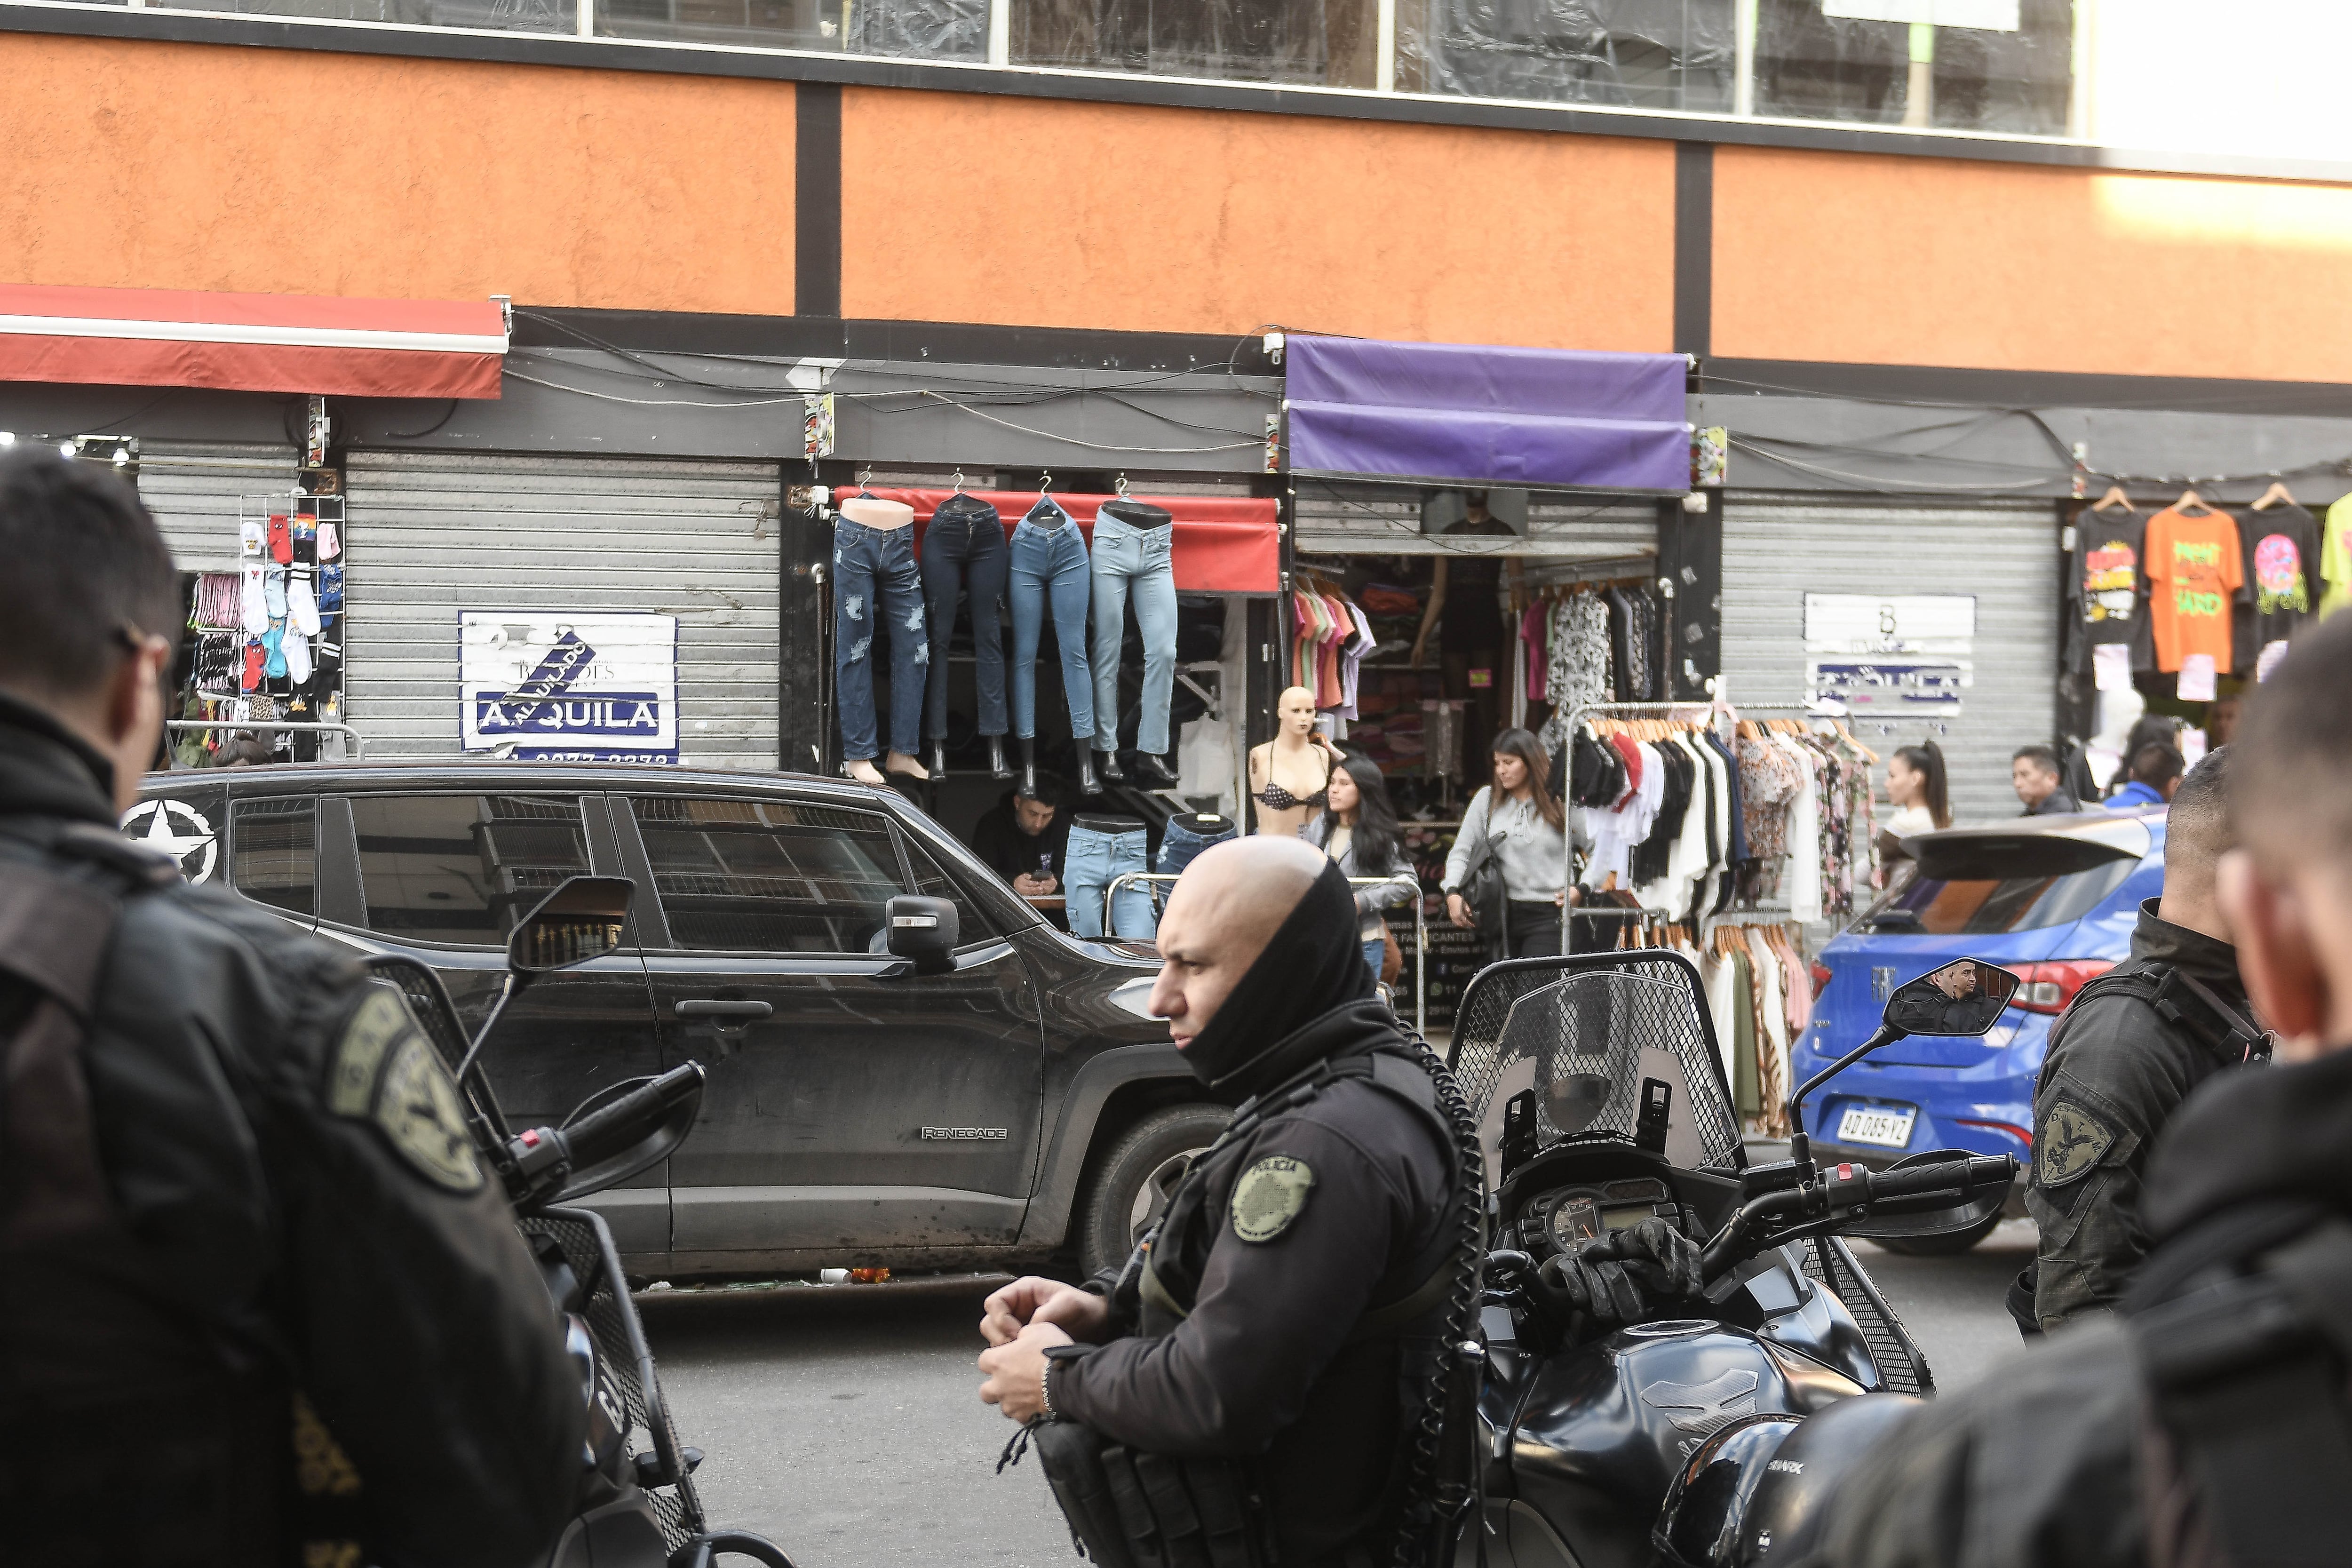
[875, 584]
[1049, 576]
[964, 550]
[1185, 834]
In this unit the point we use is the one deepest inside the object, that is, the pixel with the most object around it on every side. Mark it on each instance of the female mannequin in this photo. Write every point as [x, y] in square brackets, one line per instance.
[1290, 776]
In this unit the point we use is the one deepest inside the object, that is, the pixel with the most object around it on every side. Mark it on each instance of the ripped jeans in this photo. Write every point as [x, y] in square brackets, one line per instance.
[876, 588]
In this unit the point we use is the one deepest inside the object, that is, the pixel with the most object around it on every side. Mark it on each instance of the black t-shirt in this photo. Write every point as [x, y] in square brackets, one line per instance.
[2282, 586]
[998, 840]
[2108, 585]
[1473, 616]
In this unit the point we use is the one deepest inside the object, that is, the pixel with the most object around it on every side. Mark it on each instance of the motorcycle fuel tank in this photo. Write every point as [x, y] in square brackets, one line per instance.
[1605, 1429]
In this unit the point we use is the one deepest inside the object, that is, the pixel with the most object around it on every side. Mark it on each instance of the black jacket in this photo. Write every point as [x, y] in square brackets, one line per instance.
[266, 1258]
[2117, 1071]
[1354, 1187]
[1001, 845]
[2052, 1460]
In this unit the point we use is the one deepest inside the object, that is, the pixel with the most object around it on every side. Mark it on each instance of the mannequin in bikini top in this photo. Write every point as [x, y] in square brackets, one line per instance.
[1290, 776]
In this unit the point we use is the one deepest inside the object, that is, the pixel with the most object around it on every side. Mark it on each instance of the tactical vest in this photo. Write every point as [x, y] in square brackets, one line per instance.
[2243, 1328]
[139, 1433]
[1128, 1509]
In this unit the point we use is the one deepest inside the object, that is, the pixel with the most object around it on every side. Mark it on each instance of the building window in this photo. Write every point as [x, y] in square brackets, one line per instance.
[1313, 43]
[912, 29]
[1839, 59]
[490, 15]
[1631, 54]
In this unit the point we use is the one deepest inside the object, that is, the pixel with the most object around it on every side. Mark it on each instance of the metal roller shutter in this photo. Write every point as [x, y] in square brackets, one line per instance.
[1337, 522]
[1777, 549]
[195, 487]
[434, 533]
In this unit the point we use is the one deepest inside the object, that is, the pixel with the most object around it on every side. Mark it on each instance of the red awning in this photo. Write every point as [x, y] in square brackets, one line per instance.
[1222, 545]
[251, 343]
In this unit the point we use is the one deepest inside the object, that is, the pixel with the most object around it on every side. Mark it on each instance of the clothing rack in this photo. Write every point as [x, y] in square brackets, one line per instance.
[1710, 706]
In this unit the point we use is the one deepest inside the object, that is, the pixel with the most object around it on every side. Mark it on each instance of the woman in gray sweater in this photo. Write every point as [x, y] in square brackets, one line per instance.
[1358, 828]
[1526, 827]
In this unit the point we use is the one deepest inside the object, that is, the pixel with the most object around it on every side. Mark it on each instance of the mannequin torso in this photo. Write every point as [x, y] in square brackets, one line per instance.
[1296, 771]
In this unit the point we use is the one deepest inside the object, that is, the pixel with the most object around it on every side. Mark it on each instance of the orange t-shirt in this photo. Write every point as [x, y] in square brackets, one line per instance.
[2194, 572]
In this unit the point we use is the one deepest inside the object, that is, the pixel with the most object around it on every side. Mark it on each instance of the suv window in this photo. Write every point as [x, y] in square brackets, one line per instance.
[463, 868]
[765, 876]
[277, 855]
[933, 881]
[1927, 906]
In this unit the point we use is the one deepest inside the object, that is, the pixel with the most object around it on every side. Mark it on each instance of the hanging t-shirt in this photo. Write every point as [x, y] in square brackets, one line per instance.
[2336, 558]
[2281, 547]
[2109, 593]
[2194, 572]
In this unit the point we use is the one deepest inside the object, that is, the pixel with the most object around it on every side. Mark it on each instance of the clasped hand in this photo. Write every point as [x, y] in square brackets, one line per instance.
[1021, 1323]
[1624, 1277]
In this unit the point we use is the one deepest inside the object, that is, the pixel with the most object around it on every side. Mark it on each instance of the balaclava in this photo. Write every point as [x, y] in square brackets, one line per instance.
[1314, 963]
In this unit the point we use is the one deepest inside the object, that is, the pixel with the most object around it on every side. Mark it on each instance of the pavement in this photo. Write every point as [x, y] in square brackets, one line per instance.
[844, 1421]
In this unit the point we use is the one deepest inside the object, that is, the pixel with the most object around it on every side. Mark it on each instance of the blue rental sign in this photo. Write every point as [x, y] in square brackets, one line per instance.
[542, 686]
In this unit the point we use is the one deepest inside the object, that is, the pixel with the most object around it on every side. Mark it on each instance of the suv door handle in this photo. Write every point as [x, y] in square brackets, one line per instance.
[723, 1010]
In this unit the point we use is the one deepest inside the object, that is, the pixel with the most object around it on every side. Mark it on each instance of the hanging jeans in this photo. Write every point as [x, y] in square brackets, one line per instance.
[1049, 569]
[1101, 848]
[1186, 835]
[964, 550]
[875, 584]
[1134, 562]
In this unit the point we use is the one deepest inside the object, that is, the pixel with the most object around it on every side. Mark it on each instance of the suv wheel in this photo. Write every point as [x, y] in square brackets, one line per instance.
[1131, 1187]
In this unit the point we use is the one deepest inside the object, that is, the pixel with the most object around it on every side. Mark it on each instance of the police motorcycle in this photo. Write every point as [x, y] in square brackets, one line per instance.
[1694, 1439]
[638, 1507]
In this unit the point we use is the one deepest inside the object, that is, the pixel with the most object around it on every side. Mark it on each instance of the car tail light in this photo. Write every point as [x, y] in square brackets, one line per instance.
[2049, 987]
[1821, 978]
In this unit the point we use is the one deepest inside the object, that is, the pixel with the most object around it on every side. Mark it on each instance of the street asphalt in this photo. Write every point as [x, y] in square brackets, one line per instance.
[844, 1423]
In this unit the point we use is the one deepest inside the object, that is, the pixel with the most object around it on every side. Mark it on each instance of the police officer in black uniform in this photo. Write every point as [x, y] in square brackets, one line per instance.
[256, 1306]
[1269, 1319]
[2134, 1044]
[2210, 1421]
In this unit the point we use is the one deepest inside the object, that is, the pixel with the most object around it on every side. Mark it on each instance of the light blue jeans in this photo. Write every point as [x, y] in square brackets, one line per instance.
[1137, 563]
[1049, 569]
[1092, 859]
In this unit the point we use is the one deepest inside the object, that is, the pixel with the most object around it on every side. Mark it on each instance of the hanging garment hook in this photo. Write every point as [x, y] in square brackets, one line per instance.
[959, 481]
[864, 477]
[1044, 483]
[1122, 486]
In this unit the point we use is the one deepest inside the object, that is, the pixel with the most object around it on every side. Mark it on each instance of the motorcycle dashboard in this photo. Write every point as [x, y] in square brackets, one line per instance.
[1566, 1215]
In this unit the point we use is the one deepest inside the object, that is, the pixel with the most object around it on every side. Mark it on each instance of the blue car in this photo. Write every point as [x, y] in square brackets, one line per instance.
[2054, 898]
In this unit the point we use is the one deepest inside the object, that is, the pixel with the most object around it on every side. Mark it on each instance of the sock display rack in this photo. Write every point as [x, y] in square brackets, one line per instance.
[267, 665]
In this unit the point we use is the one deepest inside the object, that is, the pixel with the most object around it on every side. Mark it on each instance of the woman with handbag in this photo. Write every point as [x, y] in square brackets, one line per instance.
[1507, 872]
[1357, 829]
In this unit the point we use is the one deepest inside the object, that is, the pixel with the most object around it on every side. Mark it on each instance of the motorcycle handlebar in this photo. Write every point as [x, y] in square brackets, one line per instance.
[616, 1128]
[1843, 1187]
[1965, 1173]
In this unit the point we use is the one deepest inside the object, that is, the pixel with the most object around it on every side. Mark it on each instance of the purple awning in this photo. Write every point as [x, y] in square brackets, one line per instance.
[1463, 413]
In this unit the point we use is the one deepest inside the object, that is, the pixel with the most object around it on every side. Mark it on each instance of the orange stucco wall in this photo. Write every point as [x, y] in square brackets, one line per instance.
[193, 166]
[1042, 213]
[1891, 261]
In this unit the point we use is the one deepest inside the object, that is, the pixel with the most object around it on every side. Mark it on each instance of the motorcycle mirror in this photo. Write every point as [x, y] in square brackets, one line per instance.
[1966, 996]
[581, 920]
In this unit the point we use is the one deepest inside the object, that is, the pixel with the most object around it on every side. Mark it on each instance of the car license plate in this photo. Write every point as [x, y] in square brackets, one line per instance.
[1871, 1124]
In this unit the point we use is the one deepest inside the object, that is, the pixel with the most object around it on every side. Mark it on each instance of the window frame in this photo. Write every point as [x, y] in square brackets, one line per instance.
[639, 855]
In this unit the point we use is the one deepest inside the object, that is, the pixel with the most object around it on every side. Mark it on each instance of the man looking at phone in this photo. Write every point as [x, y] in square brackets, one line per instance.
[1022, 839]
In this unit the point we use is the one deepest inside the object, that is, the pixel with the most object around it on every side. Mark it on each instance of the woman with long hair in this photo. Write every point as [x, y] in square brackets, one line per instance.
[1358, 828]
[1524, 831]
[1922, 794]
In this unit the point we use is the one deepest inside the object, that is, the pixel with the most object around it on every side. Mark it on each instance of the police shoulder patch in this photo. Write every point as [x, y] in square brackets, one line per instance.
[384, 1070]
[2071, 1143]
[1270, 1195]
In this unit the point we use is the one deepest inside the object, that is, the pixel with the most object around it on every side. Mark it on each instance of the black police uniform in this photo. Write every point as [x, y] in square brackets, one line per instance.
[1274, 1314]
[250, 1295]
[2210, 1422]
[2131, 1048]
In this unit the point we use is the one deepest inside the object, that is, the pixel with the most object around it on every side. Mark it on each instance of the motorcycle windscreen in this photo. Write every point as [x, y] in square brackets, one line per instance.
[1585, 1032]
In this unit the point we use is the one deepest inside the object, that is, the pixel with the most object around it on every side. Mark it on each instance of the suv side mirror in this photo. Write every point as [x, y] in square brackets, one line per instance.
[1966, 996]
[580, 920]
[923, 931]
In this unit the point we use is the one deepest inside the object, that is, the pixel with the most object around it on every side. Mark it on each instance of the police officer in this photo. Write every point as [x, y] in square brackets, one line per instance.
[1301, 1257]
[256, 1306]
[2211, 1421]
[2122, 1059]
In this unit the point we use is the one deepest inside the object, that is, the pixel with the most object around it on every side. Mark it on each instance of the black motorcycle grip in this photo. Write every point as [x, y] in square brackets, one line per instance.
[1963, 1175]
[613, 1129]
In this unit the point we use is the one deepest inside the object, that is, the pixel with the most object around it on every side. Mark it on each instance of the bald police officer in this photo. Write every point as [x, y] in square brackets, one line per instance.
[1267, 1320]
[258, 1304]
[2129, 1051]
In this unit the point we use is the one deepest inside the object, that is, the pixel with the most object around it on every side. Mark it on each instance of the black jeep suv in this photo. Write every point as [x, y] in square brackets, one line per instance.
[857, 1112]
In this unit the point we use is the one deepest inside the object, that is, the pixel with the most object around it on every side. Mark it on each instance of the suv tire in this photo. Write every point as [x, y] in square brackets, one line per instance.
[1130, 1187]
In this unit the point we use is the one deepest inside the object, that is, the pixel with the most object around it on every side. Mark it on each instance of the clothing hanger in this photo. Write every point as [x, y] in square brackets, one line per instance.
[2190, 501]
[1120, 485]
[2277, 492]
[2115, 497]
[959, 481]
[866, 485]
